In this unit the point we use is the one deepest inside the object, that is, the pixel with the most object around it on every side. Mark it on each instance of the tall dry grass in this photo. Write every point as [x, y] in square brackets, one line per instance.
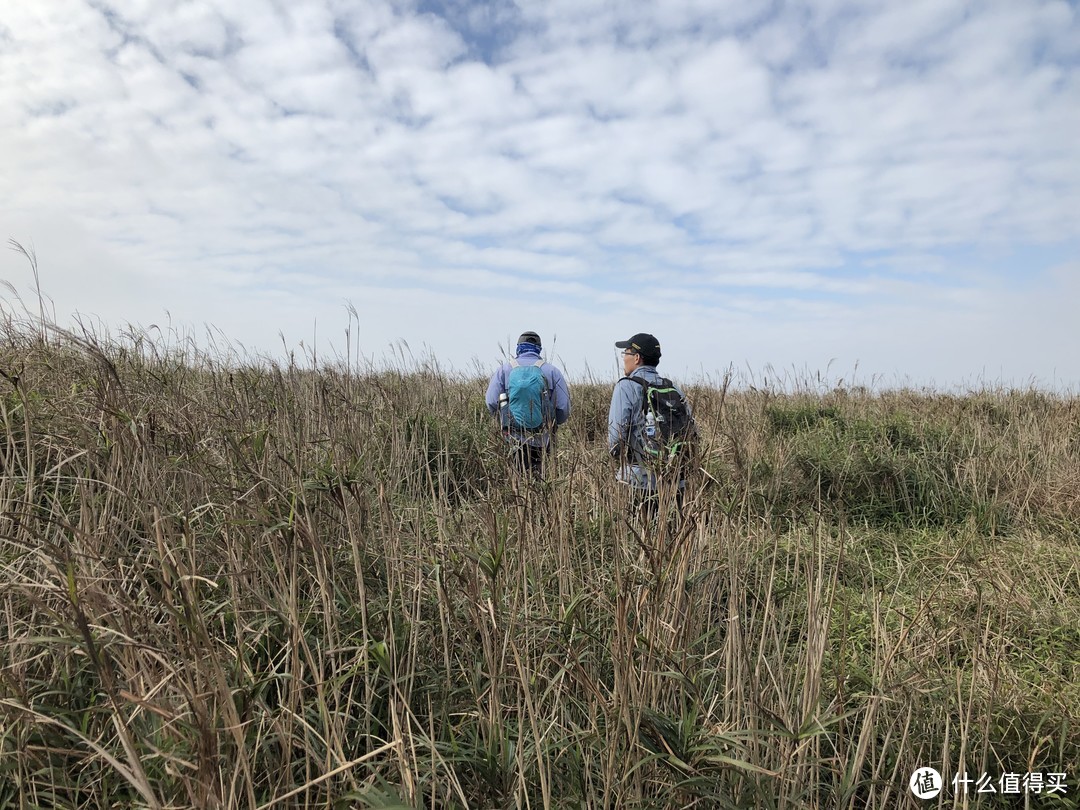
[238, 583]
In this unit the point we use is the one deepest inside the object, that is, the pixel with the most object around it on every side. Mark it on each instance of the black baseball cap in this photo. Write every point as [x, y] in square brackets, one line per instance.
[644, 344]
[529, 337]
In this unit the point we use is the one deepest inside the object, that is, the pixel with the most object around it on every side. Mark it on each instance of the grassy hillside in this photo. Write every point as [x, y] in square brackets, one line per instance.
[235, 584]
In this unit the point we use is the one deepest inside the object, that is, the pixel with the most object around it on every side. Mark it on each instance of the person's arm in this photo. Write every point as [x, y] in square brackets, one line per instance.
[562, 396]
[621, 416]
[495, 387]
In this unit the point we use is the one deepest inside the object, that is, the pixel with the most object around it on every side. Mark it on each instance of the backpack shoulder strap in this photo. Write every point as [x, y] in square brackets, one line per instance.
[514, 362]
[549, 381]
[645, 385]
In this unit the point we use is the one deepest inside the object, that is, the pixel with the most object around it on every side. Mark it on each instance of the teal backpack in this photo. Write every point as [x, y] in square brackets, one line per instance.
[529, 405]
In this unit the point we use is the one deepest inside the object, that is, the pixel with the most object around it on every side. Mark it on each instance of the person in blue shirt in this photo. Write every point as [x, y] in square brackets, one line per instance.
[529, 445]
[626, 420]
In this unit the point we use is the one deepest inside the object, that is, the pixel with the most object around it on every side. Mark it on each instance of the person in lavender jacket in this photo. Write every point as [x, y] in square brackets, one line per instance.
[640, 357]
[530, 447]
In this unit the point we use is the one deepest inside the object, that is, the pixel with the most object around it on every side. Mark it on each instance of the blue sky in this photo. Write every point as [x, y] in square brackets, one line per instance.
[885, 192]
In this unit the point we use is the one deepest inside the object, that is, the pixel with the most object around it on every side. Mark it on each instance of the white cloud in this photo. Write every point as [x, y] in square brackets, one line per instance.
[811, 174]
[192, 27]
[726, 86]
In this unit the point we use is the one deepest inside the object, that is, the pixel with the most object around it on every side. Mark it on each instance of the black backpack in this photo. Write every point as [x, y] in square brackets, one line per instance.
[669, 432]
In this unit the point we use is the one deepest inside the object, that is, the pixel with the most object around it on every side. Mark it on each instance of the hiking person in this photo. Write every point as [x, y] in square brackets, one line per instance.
[651, 429]
[531, 399]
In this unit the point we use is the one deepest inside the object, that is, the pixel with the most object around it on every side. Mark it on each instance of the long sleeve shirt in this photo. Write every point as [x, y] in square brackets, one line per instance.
[556, 386]
[626, 420]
